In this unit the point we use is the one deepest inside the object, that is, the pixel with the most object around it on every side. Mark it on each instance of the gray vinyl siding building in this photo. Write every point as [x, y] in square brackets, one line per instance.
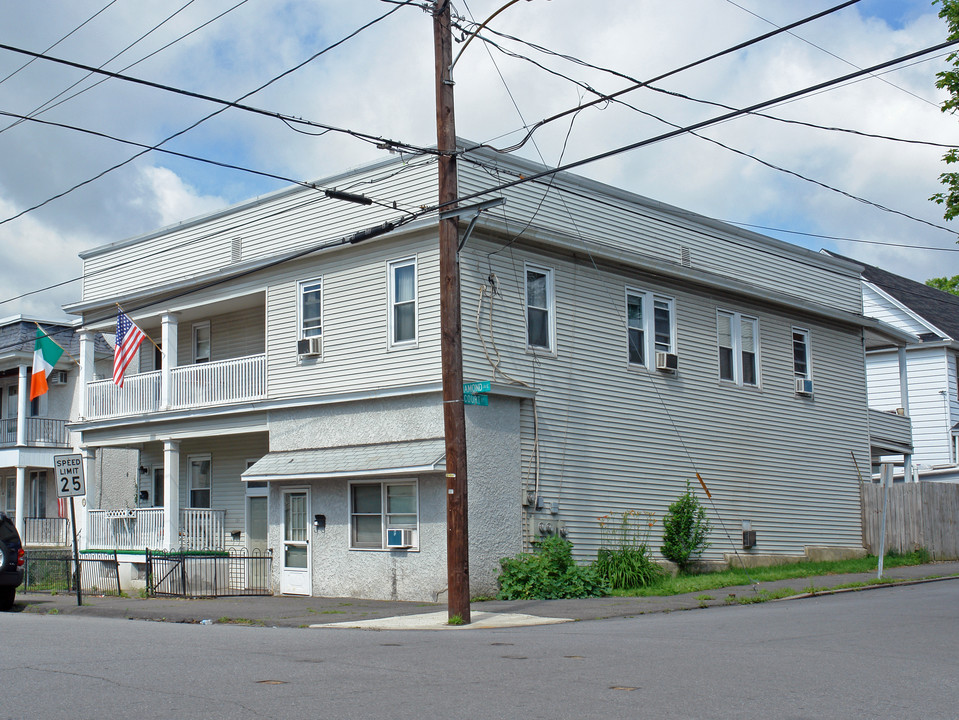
[340, 434]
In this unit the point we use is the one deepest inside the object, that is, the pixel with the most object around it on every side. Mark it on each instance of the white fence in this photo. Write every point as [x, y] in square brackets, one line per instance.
[142, 528]
[192, 386]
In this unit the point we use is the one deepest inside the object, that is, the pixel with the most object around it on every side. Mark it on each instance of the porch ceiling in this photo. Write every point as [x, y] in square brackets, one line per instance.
[391, 458]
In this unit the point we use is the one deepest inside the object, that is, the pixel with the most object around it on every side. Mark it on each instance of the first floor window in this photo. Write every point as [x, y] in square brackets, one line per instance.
[38, 493]
[738, 339]
[376, 507]
[801, 365]
[403, 302]
[200, 482]
[650, 326]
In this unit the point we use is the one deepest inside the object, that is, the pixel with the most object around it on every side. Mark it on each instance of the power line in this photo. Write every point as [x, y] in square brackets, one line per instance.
[687, 66]
[47, 106]
[713, 121]
[206, 117]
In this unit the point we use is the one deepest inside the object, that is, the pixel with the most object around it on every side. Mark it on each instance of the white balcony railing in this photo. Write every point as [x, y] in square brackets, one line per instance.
[142, 528]
[193, 386]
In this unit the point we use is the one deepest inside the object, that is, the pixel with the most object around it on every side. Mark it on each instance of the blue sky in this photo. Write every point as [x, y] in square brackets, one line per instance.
[381, 82]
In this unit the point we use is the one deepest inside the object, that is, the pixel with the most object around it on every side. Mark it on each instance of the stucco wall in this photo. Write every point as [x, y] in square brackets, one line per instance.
[116, 479]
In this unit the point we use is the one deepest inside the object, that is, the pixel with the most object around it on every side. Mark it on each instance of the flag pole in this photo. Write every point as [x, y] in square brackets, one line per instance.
[120, 309]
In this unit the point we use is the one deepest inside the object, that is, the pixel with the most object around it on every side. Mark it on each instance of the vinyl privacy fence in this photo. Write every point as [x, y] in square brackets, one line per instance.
[918, 515]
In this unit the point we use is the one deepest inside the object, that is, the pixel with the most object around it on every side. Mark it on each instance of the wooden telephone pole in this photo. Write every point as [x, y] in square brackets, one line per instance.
[454, 414]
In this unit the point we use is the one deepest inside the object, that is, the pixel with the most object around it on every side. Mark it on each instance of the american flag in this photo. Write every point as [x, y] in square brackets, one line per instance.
[129, 337]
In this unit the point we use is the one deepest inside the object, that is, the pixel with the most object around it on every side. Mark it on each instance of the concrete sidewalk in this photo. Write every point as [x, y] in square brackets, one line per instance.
[305, 612]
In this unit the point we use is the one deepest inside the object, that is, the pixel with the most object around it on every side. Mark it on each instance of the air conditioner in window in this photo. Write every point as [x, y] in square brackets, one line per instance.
[803, 386]
[58, 377]
[667, 362]
[399, 538]
[310, 346]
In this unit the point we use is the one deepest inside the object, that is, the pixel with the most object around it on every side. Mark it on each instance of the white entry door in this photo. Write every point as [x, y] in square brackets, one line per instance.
[295, 558]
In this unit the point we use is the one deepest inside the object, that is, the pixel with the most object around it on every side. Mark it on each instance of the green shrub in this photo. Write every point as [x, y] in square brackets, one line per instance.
[624, 560]
[685, 530]
[550, 573]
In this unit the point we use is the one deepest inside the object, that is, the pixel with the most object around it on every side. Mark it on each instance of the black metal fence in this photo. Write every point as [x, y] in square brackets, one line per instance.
[46, 531]
[53, 571]
[208, 574]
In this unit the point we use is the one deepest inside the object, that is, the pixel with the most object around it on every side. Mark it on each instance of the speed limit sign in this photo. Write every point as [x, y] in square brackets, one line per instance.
[69, 470]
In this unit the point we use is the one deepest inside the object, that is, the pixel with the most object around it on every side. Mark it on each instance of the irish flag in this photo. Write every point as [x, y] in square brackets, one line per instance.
[45, 356]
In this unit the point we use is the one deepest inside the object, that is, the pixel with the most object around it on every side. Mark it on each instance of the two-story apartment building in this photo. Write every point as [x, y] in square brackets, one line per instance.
[293, 399]
[32, 431]
[930, 398]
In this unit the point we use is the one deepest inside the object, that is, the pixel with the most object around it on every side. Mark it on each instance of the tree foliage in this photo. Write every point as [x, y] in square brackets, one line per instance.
[946, 284]
[949, 80]
[686, 530]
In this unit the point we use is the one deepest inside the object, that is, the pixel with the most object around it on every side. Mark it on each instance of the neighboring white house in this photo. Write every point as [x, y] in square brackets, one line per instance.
[296, 402]
[931, 396]
[33, 431]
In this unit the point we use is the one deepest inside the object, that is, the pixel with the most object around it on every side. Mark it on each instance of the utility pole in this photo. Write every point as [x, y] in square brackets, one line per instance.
[454, 414]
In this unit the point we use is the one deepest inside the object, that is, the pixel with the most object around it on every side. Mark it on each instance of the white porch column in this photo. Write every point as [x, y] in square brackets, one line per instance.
[86, 373]
[21, 500]
[904, 399]
[23, 403]
[168, 340]
[171, 494]
[83, 505]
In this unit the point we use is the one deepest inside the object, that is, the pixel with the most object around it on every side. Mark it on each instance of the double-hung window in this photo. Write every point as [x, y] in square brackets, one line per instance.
[540, 314]
[738, 348]
[650, 321]
[201, 481]
[801, 364]
[378, 506]
[202, 343]
[311, 309]
[402, 310]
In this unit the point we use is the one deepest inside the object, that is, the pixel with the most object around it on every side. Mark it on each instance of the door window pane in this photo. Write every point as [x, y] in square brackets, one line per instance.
[294, 517]
[200, 483]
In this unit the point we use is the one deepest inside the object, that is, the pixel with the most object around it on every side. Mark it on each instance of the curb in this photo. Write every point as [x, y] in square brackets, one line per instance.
[875, 586]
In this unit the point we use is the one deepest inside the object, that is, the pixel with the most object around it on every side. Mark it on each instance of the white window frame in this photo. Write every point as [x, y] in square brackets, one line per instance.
[383, 514]
[392, 266]
[648, 326]
[549, 308]
[197, 358]
[302, 288]
[808, 353]
[736, 322]
[190, 460]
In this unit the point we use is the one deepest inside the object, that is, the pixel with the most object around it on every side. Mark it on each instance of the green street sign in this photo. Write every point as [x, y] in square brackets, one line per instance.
[470, 399]
[476, 388]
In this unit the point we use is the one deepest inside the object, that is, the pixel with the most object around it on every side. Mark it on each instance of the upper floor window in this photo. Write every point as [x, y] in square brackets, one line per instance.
[650, 323]
[402, 319]
[311, 309]
[738, 348]
[801, 365]
[539, 308]
[202, 346]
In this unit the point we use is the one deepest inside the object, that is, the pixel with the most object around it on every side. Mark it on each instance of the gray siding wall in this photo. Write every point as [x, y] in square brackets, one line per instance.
[232, 335]
[614, 439]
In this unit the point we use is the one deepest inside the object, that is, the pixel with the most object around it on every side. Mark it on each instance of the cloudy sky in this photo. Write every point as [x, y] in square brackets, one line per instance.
[380, 82]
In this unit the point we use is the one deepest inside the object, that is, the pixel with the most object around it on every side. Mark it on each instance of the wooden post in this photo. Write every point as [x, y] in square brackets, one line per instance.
[454, 415]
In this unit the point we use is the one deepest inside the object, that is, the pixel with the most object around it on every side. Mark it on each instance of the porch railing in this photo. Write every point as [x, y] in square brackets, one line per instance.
[41, 432]
[53, 531]
[890, 431]
[192, 386]
[142, 528]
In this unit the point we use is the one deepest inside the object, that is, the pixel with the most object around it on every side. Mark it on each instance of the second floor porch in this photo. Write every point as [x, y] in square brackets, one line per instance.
[40, 432]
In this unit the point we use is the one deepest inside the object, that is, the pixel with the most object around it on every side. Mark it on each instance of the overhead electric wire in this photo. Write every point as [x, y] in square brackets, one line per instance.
[205, 118]
[713, 121]
[687, 66]
[47, 106]
[78, 27]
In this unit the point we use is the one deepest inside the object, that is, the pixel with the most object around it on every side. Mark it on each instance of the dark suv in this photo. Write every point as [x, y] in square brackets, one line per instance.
[11, 562]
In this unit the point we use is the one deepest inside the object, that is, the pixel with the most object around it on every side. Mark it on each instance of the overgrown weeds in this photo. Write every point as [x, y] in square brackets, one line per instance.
[624, 560]
[550, 573]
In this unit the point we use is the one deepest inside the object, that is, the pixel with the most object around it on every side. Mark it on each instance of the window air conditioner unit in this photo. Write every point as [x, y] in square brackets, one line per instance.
[310, 346]
[803, 386]
[58, 377]
[667, 362]
[399, 538]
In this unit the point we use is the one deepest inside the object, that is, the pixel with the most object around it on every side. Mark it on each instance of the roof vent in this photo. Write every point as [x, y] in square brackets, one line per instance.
[236, 250]
[684, 256]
